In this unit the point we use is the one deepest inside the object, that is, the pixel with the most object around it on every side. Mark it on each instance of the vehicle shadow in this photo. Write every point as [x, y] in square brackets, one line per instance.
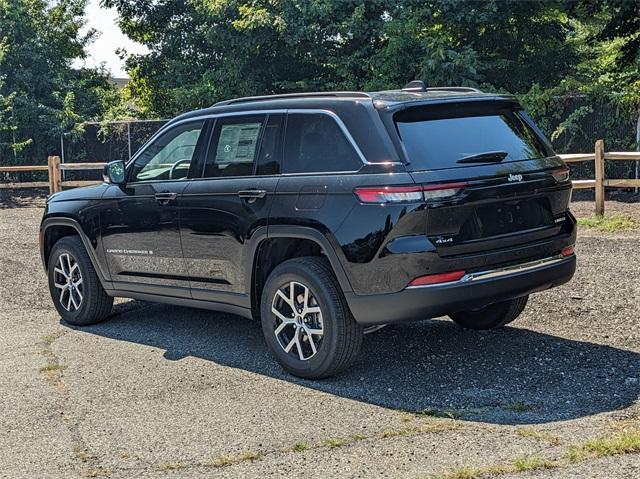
[507, 376]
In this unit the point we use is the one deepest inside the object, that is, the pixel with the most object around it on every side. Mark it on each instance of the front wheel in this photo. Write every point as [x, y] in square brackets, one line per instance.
[74, 285]
[306, 321]
[492, 316]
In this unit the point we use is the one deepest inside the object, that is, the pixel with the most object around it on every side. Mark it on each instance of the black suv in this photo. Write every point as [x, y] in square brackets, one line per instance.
[323, 215]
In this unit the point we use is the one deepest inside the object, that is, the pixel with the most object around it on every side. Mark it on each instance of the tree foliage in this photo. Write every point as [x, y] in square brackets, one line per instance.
[205, 50]
[41, 95]
[548, 52]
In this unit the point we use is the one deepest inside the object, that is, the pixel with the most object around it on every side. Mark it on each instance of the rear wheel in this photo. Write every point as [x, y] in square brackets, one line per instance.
[306, 321]
[492, 316]
[74, 285]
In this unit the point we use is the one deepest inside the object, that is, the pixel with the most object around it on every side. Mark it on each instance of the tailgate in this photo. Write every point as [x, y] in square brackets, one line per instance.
[497, 211]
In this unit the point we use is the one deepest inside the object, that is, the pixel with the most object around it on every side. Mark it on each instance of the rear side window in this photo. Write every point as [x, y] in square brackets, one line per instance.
[315, 143]
[436, 138]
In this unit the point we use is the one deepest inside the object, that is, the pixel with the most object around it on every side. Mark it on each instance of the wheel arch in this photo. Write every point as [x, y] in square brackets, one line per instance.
[55, 228]
[306, 241]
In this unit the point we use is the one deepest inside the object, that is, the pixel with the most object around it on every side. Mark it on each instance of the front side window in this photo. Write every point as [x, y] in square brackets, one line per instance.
[233, 147]
[315, 143]
[169, 156]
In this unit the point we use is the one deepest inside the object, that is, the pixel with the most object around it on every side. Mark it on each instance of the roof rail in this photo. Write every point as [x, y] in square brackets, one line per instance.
[455, 88]
[418, 86]
[285, 96]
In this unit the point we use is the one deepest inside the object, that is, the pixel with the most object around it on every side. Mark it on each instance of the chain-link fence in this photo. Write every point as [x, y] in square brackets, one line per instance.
[103, 142]
[580, 122]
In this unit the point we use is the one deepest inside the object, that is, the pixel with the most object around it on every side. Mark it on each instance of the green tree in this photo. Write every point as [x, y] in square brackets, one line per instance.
[41, 95]
[204, 50]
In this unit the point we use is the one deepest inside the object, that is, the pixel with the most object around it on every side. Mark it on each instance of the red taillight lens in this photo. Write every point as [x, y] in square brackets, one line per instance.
[560, 175]
[437, 278]
[399, 194]
[437, 192]
[567, 251]
[389, 194]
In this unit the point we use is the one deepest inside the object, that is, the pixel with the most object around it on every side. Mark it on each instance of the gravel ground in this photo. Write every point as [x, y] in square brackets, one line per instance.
[162, 391]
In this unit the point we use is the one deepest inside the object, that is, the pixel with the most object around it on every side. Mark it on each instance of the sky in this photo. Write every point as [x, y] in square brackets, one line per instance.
[103, 50]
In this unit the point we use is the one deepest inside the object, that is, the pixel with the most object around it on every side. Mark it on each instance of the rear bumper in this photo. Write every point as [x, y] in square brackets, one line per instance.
[472, 291]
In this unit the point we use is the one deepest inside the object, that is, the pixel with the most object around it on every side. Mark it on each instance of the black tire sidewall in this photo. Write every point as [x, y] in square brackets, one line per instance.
[492, 316]
[282, 275]
[78, 316]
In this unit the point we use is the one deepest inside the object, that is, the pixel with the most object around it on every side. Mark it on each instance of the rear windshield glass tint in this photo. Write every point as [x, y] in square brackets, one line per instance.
[436, 139]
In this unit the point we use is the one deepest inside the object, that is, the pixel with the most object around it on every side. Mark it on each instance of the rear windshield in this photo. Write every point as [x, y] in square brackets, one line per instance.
[438, 137]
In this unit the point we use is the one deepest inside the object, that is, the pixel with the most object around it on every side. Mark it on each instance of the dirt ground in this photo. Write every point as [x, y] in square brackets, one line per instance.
[163, 391]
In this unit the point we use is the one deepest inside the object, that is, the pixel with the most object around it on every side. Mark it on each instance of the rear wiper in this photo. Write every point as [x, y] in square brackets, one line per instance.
[487, 157]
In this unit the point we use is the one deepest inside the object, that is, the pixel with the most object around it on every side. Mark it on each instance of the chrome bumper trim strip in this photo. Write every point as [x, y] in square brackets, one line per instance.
[500, 272]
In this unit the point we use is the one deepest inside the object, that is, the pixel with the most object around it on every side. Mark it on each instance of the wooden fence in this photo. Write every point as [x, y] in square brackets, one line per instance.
[54, 168]
[599, 183]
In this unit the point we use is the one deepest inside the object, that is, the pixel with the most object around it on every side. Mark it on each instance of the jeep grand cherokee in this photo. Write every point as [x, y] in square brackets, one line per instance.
[323, 215]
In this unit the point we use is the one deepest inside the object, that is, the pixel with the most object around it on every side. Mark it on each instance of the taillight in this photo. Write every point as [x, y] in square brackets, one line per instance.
[437, 192]
[437, 278]
[567, 251]
[560, 175]
[401, 194]
[389, 194]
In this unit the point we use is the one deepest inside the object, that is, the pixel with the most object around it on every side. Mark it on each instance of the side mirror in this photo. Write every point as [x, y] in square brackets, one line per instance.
[114, 172]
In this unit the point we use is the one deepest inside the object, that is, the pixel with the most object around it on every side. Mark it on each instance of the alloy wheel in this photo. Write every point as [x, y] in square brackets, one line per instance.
[68, 280]
[298, 324]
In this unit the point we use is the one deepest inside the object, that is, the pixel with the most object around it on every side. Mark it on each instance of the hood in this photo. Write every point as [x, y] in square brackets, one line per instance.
[93, 192]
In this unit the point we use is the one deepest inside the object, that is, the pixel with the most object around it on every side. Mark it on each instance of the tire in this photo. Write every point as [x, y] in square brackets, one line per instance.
[341, 339]
[86, 302]
[492, 316]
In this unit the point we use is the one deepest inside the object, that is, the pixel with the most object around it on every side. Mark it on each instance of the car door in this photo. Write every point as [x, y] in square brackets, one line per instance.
[140, 220]
[221, 210]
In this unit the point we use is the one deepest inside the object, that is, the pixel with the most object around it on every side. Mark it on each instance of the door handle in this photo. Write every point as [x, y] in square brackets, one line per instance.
[252, 195]
[164, 198]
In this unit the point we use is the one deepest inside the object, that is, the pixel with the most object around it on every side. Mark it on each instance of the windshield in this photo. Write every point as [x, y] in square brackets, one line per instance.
[439, 137]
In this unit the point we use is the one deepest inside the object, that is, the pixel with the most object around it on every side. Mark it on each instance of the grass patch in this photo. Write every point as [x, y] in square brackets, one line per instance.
[300, 446]
[52, 368]
[222, 461]
[100, 472]
[52, 372]
[465, 472]
[608, 223]
[49, 339]
[516, 406]
[248, 456]
[82, 454]
[521, 464]
[541, 435]
[171, 466]
[442, 413]
[335, 442]
[625, 442]
[533, 463]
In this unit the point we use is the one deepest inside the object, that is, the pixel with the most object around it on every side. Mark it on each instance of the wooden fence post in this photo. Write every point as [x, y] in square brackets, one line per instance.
[50, 172]
[599, 177]
[54, 174]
